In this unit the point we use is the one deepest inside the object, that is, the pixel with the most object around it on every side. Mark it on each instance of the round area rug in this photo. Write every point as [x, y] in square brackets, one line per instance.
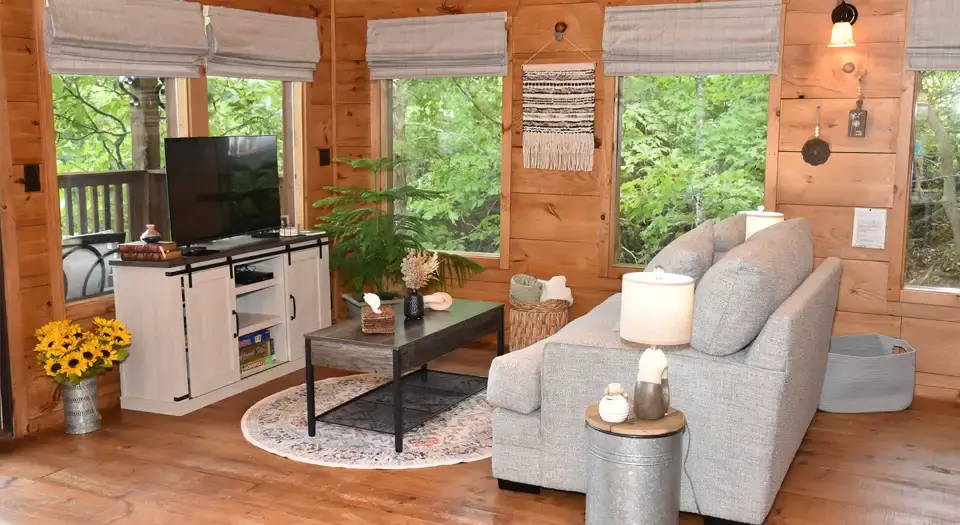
[278, 424]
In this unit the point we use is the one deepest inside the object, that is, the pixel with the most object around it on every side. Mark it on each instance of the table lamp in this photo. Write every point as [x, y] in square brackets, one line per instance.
[760, 219]
[656, 309]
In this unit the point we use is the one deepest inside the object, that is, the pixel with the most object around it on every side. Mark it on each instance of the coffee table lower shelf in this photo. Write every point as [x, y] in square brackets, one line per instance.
[425, 394]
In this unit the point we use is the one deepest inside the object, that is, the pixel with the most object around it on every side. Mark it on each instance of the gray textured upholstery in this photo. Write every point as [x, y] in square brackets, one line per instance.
[737, 294]
[746, 412]
[690, 254]
[728, 234]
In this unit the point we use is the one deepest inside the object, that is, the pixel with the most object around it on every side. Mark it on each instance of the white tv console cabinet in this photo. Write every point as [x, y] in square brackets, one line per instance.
[187, 314]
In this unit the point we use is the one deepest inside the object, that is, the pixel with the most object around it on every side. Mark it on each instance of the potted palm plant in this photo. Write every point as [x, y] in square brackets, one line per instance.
[370, 240]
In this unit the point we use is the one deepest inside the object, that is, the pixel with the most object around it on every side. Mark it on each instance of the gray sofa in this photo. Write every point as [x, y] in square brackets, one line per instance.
[747, 409]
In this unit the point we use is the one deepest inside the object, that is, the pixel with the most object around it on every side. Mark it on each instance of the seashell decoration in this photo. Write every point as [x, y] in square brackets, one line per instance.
[373, 300]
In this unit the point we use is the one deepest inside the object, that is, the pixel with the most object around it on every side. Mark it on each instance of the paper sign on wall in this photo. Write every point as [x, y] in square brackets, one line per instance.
[869, 228]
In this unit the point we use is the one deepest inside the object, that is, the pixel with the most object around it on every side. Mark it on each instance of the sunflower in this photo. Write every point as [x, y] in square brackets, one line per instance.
[121, 337]
[114, 356]
[53, 366]
[74, 364]
[48, 341]
[90, 350]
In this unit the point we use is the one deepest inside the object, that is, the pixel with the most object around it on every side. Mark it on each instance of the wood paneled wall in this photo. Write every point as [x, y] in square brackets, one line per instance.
[558, 222]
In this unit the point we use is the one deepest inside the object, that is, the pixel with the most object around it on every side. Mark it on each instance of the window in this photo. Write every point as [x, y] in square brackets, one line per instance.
[109, 135]
[448, 135]
[691, 148]
[246, 106]
[933, 233]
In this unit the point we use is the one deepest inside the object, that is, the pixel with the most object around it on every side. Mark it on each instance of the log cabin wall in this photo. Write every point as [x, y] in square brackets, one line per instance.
[553, 222]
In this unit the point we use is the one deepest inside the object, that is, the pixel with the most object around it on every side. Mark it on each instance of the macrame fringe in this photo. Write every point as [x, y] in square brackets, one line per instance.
[558, 151]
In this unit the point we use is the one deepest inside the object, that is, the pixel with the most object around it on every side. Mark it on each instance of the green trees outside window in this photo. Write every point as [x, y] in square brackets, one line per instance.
[246, 106]
[933, 233]
[447, 135]
[691, 148]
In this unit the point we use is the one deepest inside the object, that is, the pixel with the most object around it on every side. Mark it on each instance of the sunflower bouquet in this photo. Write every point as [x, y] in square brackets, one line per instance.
[69, 353]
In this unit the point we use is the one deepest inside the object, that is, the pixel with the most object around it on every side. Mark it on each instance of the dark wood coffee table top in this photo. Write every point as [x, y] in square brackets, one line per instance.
[410, 332]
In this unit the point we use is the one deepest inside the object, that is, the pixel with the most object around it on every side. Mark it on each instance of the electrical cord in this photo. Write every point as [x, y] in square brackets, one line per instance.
[686, 456]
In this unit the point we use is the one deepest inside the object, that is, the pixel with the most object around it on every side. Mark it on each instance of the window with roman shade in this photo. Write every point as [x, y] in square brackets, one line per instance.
[933, 35]
[711, 38]
[151, 38]
[247, 44]
[438, 46]
[443, 91]
[692, 110]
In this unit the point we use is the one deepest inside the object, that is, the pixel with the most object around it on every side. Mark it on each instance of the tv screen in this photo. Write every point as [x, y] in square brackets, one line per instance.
[222, 186]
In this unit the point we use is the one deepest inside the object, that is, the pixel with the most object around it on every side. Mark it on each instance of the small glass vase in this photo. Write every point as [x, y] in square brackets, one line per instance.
[80, 414]
[151, 235]
[413, 305]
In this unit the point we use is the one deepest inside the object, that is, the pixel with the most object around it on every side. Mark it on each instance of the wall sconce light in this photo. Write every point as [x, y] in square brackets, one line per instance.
[843, 16]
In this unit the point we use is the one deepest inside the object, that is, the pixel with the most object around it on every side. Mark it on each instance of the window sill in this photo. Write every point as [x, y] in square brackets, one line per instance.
[946, 297]
[95, 306]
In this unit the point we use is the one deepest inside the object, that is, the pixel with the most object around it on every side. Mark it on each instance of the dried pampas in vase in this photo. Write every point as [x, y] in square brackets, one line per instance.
[417, 269]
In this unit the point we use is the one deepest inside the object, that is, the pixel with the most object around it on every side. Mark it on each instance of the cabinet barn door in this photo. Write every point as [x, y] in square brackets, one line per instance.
[303, 298]
[211, 331]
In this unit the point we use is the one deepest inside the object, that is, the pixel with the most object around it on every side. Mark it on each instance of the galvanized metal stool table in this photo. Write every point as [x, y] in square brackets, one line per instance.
[634, 469]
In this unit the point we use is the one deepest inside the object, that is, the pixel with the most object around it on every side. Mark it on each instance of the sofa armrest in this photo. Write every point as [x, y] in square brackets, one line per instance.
[514, 380]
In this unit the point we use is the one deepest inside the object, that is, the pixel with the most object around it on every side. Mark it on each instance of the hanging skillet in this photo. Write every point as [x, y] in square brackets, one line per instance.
[816, 151]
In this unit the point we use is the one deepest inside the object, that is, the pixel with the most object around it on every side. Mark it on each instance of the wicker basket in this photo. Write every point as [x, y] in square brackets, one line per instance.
[532, 322]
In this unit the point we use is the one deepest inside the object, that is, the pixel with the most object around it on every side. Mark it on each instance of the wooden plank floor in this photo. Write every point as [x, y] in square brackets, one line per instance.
[892, 469]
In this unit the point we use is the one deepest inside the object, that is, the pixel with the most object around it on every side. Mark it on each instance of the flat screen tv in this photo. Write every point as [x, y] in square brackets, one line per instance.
[221, 187]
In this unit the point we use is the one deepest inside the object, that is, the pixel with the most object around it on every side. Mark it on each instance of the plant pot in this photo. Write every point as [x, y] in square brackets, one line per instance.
[413, 305]
[354, 304]
[80, 414]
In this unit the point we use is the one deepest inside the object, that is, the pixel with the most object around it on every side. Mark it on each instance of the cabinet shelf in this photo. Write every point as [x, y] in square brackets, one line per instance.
[253, 287]
[250, 323]
[262, 370]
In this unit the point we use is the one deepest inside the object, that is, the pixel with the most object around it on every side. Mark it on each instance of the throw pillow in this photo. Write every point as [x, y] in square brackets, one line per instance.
[740, 291]
[690, 254]
[728, 234]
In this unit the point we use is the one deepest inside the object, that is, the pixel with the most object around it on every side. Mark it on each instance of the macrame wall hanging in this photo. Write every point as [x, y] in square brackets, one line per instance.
[558, 105]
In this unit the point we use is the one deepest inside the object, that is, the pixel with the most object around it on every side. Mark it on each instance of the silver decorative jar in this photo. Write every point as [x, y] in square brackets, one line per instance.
[80, 414]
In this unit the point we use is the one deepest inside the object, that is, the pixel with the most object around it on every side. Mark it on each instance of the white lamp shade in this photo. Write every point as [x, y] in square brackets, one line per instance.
[758, 220]
[842, 35]
[656, 308]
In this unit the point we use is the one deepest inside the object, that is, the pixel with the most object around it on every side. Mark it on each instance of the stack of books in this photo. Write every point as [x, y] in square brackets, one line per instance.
[256, 353]
[142, 251]
[377, 323]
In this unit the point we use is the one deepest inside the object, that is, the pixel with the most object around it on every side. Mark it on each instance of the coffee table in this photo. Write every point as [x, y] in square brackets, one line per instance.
[412, 346]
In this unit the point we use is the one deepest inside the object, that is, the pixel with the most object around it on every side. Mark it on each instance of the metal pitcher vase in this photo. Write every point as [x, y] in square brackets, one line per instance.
[80, 414]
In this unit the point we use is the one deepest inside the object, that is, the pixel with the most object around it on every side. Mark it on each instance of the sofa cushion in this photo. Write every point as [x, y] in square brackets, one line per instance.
[690, 254]
[738, 294]
[728, 234]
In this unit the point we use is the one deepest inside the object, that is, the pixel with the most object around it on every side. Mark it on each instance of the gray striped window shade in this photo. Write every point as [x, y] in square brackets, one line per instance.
[438, 46]
[708, 38]
[247, 44]
[933, 35]
[157, 38]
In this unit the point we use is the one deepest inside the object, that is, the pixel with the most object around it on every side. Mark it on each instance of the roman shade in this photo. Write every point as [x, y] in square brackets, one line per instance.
[247, 44]
[708, 38]
[157, 38]
[933, 35]
[438, 46]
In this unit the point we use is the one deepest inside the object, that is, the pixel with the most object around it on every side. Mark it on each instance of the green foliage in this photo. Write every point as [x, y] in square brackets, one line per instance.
[246, 106]
[691, 149]
[448, 134]
[933, 253]
[370, 240]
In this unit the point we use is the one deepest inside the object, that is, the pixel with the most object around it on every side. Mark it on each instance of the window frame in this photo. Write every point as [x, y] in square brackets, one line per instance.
[381, 131]
[617, 269]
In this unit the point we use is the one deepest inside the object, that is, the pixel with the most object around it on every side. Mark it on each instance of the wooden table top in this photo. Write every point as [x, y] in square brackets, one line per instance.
[669, 424]
[407, 332]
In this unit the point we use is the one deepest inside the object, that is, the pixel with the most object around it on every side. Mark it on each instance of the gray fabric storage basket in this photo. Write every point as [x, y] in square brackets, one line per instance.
[864, 375]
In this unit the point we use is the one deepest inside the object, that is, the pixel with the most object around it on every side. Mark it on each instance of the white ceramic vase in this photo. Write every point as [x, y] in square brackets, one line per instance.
[614, 408]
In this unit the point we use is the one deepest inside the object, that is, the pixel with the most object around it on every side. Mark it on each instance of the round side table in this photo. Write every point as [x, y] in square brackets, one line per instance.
[634, 469]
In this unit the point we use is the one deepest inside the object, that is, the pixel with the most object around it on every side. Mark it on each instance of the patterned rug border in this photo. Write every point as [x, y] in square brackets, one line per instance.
[320, 463]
